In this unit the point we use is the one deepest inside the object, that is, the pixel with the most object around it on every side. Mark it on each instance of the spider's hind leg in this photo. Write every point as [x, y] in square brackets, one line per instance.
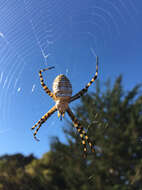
[84, 145]
[81, 131]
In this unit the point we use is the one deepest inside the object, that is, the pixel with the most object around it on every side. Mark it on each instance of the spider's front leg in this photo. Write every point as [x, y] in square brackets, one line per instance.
[43, 84]
[43, 119]
[81, 131]
[84, 90]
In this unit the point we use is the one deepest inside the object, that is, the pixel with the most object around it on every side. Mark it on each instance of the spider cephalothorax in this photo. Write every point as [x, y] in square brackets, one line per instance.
[62, 95]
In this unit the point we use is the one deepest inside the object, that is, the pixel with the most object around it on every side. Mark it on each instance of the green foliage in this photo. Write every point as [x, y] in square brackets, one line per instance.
[113, 121]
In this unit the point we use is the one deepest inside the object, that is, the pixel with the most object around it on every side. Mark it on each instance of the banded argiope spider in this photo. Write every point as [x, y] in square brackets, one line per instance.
[62, 95]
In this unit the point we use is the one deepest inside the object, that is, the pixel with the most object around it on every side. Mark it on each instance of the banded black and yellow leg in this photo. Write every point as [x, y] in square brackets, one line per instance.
[84, 145]
[43, 119]
[43, 84]
[84, 90]
[37, 131]
[81, 131]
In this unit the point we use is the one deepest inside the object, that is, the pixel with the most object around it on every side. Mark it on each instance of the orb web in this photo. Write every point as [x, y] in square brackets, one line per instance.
[64, 34]
[91, 24]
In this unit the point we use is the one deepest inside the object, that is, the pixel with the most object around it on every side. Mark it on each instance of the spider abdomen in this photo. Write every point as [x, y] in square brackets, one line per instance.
[62, 86]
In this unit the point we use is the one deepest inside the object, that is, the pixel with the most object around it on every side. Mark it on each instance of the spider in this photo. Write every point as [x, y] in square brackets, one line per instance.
[62, 95]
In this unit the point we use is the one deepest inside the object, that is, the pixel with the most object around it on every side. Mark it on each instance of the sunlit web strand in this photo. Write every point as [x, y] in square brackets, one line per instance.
[97, 28]
[56, 33]
[5, 60]
[6, 93]
[128, 11]
[45, 56]
[105, 15]
[39, 44]
[92, 15]
[116, 10]
[17, 68]
[103, 19]
[15, 17]
[10, 72]
[53, 36]
[109, 15]
[4, 79]
[92, 36]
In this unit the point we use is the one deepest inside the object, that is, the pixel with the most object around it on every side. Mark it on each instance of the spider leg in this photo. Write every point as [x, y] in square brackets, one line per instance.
[43, 119]
[81, 131]
[43, 84]
[84, 90]
[84, 145]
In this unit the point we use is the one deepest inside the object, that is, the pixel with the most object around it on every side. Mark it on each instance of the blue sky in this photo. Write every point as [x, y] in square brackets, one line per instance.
[67, 35]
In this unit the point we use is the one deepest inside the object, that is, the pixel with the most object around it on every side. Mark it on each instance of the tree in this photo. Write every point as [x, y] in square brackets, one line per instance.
[113, 119]
[12, 172]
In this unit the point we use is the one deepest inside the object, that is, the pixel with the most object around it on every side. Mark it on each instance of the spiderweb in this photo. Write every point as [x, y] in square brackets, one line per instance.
[65, 34]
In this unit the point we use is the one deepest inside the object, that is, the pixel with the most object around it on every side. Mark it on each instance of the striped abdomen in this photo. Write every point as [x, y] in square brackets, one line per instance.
[62, 86]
